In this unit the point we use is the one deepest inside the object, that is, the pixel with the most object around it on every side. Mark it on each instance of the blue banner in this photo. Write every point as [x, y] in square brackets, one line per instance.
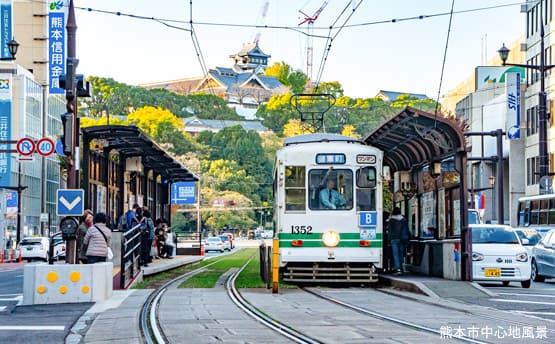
[183, 193]
[56, 50]
[7, 34]
[5, 127]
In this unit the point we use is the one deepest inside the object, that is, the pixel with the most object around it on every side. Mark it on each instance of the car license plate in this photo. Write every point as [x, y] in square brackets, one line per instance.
[492, 272]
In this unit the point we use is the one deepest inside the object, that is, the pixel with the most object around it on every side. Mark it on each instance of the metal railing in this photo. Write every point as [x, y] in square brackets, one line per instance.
[130, 256]
[51, 255]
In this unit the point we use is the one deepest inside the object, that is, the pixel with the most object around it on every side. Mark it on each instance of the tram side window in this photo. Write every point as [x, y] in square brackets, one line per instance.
[544, 208]
[331, 189]
[534, 212]
[366, 189]
[551, 216]
[295, 191]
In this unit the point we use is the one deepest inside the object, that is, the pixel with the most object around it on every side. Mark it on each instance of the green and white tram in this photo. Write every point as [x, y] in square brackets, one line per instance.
[328, 209]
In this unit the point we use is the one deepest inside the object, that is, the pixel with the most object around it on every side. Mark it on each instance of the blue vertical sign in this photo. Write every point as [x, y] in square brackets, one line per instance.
[5, 126]
[183, 193]
[512, 82]
[56, 46]
[7, 34]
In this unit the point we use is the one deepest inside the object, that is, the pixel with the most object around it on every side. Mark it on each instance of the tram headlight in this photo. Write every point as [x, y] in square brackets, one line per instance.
[330, 238]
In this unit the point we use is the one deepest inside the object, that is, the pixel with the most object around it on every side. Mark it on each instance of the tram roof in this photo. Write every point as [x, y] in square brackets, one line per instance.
[130, 141]
[413, 137]
[319, 137]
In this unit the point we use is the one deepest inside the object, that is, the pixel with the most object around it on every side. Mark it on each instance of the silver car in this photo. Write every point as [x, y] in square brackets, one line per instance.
[543, 263]
[214, 244]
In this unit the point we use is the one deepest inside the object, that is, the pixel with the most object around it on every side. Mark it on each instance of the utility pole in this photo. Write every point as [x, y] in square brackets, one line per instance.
[70, 120]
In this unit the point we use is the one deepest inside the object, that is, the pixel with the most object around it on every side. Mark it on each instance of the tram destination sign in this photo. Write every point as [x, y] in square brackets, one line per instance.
[366, 159]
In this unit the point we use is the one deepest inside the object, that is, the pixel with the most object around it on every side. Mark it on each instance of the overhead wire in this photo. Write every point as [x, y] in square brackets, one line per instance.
[330, 40]
[292, 28]
[443, 63]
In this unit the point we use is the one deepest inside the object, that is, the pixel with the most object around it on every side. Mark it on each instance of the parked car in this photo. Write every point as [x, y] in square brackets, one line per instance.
[529, 238]
[37, 248]
[230, 236]
[498, 255]
[543, 264]
[227, 242]
[214, 244]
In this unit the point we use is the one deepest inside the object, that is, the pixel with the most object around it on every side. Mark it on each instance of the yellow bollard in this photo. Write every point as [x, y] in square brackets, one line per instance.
[275, 267]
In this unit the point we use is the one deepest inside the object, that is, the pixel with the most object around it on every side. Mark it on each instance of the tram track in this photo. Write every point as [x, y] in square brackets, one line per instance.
[387, 318]
[151, 330]
[255, 313]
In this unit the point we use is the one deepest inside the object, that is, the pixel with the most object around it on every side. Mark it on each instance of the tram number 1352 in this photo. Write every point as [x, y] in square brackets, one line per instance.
[301, 229]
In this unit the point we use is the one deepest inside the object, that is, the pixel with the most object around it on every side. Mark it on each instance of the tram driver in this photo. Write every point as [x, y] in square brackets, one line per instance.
[331, 198]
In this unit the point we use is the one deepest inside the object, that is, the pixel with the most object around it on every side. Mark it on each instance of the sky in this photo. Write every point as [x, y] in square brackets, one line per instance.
[405, 56]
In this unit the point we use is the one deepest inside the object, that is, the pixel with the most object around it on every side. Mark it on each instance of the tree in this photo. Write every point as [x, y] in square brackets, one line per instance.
[163, 127]
[294, 79]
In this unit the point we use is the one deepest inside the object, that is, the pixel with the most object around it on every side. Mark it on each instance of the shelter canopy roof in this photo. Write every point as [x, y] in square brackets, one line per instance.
[130, 141]
[415, 137]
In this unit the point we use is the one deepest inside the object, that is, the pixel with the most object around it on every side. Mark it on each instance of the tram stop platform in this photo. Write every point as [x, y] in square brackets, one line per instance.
[164, 264]
[435, 287]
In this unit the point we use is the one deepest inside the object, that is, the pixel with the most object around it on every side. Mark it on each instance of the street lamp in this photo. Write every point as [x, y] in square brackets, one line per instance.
[492, 184]
[12, 48]
[542, 107]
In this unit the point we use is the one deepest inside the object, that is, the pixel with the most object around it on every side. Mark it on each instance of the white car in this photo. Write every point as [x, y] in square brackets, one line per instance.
[214, 244]
[498, 255]
[37, 248]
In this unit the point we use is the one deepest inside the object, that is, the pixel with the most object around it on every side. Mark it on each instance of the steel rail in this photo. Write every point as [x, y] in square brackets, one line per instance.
[253, 312]
[151, 330]
[389, 318]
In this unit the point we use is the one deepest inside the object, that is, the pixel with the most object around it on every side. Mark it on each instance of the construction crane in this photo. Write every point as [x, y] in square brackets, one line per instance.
[262, 20]
[309, 20]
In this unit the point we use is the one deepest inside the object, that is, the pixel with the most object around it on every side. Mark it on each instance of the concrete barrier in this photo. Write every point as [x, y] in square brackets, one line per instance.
[66, 283]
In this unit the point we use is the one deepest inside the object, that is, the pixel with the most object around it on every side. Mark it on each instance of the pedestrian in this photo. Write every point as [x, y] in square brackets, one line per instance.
[86, 221]
[161, 238]
[169, 245]
[97, 240]
[396, 226]
[147, 236]
[132, 217]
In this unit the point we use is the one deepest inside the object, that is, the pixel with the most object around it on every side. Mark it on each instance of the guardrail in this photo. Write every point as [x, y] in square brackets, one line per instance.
[130, 256]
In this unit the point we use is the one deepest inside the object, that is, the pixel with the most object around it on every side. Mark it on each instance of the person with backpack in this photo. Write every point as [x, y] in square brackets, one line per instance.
[398, 236]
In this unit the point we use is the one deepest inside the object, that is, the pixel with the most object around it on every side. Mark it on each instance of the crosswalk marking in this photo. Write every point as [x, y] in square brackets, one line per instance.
[523, 301]
[31, 328]
[523, 294]
[537, 313]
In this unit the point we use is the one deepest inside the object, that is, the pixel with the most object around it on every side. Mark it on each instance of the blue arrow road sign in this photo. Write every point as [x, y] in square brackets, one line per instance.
[70, 202]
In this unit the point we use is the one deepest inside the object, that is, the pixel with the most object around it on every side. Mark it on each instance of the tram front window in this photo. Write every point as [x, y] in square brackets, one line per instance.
[366, 189]
[331, 189]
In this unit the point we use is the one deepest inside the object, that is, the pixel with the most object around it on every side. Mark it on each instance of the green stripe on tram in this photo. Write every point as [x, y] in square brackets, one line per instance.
[318, 236]
[315, 240]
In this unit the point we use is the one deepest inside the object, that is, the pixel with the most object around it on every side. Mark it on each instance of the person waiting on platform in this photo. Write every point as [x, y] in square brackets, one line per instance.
[331, 198]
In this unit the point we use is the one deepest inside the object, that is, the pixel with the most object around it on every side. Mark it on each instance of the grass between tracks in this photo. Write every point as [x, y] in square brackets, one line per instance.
[249, 277]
